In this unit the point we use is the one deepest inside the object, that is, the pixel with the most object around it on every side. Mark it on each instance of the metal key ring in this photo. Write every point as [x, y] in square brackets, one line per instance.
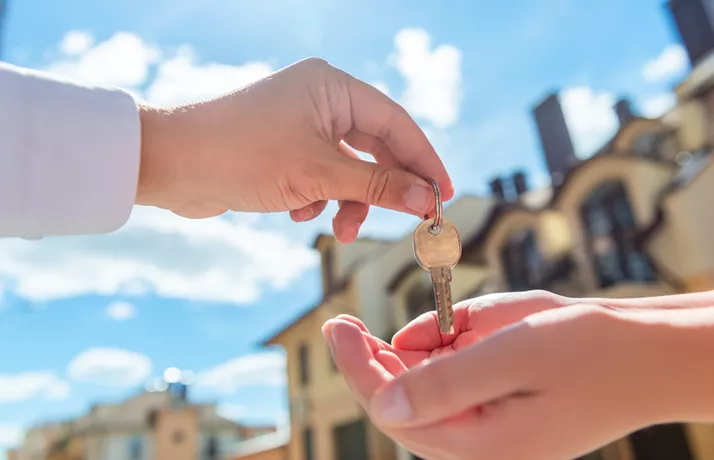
[435, 228]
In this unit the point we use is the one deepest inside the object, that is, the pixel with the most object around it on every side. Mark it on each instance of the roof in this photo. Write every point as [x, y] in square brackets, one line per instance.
[687, 174]
[262, 443]
[133, 413]
[536, 206]
[699, 80]
[338, 288]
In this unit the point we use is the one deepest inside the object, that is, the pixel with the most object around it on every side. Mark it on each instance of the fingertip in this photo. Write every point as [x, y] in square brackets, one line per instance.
[447, 190]
[421, 334]
[309, 212]
[391, 362]
[345, 232]
[344, 330]
[326, 329]
[349, 220]
[356, 321]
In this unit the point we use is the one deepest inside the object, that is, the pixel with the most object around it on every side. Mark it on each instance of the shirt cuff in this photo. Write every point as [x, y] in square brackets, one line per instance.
[69, 156]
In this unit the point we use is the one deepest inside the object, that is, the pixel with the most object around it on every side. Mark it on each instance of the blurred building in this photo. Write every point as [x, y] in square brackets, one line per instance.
[633, 220]
[158, 425]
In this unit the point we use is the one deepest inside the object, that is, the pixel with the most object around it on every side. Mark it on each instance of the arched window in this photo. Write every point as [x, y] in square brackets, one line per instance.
[610, 225]
[136, 448]
[419, 300]
[212, 451]
[521, 261]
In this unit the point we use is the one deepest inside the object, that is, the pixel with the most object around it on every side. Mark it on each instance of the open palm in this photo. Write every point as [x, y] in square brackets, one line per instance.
[474, 319]
[518, 372]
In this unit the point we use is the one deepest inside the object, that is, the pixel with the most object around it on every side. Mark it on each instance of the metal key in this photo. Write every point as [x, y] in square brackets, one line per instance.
[437, 249]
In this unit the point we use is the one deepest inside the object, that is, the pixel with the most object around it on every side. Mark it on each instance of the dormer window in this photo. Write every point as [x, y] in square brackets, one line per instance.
[610, 225]
[646, 145]
[328, 267]
[419, 300]
[522, 262]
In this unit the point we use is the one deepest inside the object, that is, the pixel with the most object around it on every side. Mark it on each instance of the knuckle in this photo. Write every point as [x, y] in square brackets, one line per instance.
[379, 184]
[546, 296]
[315, 63]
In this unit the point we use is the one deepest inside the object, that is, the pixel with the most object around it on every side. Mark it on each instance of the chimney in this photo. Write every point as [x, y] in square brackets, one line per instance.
[694, 20]
[554, 137]
[520, 183]
[497, 189]
[179, 393]
[623, 108]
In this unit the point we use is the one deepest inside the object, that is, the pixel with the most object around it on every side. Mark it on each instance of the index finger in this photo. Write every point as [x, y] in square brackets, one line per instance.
[374, 113]
[357, 362]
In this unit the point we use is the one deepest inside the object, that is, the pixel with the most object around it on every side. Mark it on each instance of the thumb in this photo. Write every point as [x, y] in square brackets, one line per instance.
[379, 185]
[454, 383]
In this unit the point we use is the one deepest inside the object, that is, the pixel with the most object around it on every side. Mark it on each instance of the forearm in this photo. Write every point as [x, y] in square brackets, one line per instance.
[677, 351]
[69, 156]
[668, 302]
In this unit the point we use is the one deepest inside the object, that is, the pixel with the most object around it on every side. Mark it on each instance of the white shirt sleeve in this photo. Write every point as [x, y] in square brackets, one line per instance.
[69, 156]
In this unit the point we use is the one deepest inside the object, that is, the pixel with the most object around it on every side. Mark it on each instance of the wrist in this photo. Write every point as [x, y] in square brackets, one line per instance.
[675, 363]
[155, 171]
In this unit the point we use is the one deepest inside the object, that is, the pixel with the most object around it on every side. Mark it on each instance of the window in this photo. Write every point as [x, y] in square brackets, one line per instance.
[596, 455]
[610, 226]
[351, 441]
[136, 448]
[307, 444]
[212, 450]
[661, 442]
[420, 300]
[522, 263]
[328, 267]
[646, 145]
[304, 357]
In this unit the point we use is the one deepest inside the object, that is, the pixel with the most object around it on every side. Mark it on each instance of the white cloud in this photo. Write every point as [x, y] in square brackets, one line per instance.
[121, 311]
[382, 86]
[76, 42]
[26, 386]
[432, 76]
[110, 367]
[181, 79]
[10, 435]
[123, 60]
[218, 259]
[658, 105]
[268, 368]
[670, 63]
[231, 411]
[590, 118]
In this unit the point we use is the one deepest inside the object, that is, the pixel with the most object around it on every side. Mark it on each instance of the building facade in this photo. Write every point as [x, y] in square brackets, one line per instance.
[157, 425]
[631, 221]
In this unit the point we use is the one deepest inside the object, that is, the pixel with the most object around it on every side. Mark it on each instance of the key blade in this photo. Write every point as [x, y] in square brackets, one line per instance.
[441, 279]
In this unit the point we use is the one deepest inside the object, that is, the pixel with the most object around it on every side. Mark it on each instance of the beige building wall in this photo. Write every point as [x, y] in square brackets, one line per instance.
[278, 453]
[176, 434]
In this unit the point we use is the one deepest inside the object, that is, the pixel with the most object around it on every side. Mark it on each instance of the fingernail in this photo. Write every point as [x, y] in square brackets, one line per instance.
[308, 215]
[392, 405]
[418, 199]
[333, 342]
[354, 232]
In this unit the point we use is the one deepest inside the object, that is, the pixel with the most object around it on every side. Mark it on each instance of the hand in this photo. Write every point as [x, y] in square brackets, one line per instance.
[283, 144]
[521, 378]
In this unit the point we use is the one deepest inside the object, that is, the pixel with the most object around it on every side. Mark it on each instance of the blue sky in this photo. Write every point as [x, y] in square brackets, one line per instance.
[201, 295]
